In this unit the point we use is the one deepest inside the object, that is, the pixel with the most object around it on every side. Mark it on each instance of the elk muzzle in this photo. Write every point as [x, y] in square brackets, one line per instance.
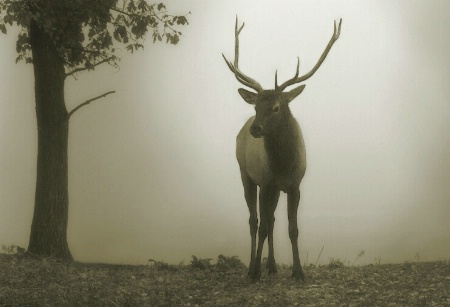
[256, 130]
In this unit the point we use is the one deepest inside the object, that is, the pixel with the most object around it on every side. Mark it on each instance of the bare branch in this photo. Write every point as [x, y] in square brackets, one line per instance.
[121, 11]
[89, 101]
[151, 14]
[90, 67]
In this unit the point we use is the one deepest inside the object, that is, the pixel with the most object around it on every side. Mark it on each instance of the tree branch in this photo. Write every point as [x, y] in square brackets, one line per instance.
[121, 11]
[90, 67]
[153, 14]
[89, 101]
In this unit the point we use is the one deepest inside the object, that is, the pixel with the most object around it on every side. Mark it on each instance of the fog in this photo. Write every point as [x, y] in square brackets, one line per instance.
[152, 168]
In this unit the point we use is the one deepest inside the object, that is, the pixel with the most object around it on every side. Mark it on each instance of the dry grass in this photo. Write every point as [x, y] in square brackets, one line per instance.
[26, 281]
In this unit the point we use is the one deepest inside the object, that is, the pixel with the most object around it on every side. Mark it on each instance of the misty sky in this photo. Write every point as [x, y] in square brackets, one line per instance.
[152, 168]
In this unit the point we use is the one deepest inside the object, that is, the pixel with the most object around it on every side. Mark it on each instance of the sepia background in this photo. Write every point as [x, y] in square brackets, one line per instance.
[152, 168]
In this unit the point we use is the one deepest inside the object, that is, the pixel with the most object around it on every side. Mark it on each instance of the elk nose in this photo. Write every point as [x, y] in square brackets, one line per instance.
[256, 130]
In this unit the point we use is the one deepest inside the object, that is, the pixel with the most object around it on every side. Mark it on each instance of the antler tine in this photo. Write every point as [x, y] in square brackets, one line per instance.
[236, 43]
[296, 79]
[276, 79]
[241, 77]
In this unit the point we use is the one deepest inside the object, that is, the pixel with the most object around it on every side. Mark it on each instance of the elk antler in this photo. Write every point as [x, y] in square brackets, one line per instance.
[242, 78]
[297, 79]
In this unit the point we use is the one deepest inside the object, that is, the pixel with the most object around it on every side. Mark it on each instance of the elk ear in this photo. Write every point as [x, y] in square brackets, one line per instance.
[249, 97]
[294, 93]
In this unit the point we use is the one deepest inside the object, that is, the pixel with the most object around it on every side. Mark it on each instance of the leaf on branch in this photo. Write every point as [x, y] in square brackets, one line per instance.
[116, 35]
[143, 6]
[123, 33]
[3, 28]
[131, 8]
[19, 57]
[130, 48]
[161, 6]
[182, 20]
[137, 46]
[9, 19]
[174, 39]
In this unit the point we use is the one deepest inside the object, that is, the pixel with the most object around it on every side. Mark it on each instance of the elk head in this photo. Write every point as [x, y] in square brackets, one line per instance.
[272, 106]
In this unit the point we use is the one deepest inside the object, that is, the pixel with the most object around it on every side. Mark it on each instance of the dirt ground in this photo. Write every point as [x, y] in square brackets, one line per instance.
[32, 281]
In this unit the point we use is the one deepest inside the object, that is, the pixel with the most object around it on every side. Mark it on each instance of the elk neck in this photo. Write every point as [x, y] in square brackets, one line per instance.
[282, 146]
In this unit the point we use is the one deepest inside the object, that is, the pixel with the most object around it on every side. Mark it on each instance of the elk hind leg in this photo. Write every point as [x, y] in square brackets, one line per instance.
[293, 201]
[251, 199]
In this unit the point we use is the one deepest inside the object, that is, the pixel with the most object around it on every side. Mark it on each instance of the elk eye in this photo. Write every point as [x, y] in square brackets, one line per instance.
[276, 109]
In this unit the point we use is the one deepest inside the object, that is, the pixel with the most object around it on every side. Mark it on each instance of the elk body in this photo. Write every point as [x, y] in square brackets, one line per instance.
[271, 154]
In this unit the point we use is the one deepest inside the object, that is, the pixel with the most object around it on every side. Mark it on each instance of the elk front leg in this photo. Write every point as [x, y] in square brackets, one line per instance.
[267, 202]
[271, 222]
[250, 197]
[293, 201]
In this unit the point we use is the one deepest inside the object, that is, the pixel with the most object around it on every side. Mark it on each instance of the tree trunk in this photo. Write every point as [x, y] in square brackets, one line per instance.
[49, 227]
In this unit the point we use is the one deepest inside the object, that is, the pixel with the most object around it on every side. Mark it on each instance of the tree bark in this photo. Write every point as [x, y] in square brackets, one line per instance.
[48, 235]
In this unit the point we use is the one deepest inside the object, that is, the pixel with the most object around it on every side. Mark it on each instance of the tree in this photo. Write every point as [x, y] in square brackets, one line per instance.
[62, 38]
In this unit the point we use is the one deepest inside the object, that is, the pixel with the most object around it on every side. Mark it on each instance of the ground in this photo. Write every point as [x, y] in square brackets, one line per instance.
[33, 281]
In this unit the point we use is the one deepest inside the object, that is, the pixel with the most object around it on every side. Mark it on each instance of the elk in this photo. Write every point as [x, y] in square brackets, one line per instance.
[271, 154]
